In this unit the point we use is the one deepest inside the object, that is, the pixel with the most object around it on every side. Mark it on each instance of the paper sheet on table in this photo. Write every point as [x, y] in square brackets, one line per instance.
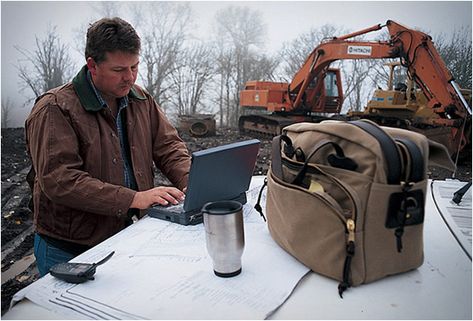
[161, 270]
[457, 216]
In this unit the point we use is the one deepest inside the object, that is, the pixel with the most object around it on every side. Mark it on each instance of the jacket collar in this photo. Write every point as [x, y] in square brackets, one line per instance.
[86, 94]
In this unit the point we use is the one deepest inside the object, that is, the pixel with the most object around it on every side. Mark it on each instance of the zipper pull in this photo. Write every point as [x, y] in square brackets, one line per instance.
[351, 230]
[350, 249]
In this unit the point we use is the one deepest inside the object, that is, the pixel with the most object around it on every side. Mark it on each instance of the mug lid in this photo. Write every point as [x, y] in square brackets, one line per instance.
[222, 207]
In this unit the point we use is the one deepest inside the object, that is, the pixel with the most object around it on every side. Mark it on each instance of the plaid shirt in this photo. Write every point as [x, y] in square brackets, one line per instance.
[130, 181]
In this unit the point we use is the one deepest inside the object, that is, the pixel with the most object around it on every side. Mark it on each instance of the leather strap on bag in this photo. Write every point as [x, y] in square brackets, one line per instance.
[405, 206]
[411, 203]
[416, 170]
[388, 146]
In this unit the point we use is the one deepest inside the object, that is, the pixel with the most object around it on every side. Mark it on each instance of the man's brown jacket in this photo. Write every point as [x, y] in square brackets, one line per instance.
[75, 150]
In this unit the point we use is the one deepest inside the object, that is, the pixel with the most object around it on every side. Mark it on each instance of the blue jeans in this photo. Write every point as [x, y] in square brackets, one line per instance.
[48, 255]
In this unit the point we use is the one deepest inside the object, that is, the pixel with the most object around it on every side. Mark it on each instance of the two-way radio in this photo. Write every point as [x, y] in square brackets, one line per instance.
[77, 272]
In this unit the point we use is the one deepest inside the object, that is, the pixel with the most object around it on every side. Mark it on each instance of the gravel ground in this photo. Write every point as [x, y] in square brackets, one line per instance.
[16, 226]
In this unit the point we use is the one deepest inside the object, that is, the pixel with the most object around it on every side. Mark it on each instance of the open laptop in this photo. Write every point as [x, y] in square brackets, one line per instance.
[218, 173]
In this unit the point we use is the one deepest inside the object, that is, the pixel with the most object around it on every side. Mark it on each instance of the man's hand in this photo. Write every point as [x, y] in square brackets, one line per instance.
[159, 195]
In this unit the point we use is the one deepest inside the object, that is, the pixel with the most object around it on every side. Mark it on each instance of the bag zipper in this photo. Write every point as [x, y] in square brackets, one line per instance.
[338, 214]
[312, 170]
[350, 225]
[350, 249]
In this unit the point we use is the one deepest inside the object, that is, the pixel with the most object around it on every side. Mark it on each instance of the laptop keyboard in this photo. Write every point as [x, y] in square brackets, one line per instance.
[175, 208]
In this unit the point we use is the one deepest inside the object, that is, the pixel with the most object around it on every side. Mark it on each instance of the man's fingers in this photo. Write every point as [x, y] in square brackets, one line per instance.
[167, 198]
[175, 193]
[169, 195]
[162, 195]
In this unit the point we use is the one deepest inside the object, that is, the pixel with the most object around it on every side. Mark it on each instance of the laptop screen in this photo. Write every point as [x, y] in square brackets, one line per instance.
[220, 173]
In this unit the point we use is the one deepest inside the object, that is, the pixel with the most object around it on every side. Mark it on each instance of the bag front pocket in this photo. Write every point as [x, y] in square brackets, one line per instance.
[310, 227]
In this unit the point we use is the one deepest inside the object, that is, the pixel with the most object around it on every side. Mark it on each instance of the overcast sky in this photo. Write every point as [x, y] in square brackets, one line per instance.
[284, 20]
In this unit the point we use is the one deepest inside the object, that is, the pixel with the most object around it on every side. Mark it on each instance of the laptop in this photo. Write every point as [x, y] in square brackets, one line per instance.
[218, 173]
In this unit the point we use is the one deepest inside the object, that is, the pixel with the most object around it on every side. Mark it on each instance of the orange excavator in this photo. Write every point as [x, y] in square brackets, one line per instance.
[315, 91]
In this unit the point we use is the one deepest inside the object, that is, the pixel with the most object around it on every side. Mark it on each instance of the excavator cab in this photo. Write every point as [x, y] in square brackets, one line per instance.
[333, 99]
[267, 106]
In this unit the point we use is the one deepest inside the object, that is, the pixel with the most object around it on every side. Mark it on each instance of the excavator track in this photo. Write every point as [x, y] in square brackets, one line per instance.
[272, 125]
[263, 125]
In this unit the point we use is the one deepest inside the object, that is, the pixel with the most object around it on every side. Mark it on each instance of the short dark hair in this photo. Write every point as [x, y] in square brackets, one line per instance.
[110, 35]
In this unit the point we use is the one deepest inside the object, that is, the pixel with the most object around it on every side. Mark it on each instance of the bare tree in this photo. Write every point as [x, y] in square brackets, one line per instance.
[357, 88]
[456, 52]
[294, 53]
[240, 36]
[48, 66]
[224, 70]
[263, 67]
[164, 32]
[191, 79]
[107, 9]
[7, 107]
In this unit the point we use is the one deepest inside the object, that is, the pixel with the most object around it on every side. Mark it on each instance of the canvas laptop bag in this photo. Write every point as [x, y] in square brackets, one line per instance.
[347, 198]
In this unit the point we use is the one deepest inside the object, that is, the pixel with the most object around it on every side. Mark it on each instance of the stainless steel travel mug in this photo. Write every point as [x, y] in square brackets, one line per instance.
[224, 235]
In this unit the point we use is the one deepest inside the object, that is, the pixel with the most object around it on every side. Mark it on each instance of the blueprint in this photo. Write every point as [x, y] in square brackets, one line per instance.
[161, 270]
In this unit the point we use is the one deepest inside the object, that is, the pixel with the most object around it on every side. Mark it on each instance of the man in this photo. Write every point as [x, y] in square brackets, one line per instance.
[92, 143]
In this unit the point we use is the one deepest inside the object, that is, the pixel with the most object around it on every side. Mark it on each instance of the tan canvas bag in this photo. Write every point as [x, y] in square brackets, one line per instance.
[347, 198]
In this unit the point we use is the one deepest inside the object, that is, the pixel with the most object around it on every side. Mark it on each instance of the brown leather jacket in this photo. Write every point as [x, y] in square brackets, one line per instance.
[72, 140]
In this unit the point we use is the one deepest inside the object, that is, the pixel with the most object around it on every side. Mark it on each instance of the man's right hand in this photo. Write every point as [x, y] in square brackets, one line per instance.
[162, 195]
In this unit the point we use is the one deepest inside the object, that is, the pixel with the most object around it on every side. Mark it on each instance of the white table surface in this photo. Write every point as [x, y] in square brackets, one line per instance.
[440, 289]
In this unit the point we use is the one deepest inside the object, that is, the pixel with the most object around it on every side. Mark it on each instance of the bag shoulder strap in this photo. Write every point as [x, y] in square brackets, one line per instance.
[417, 169]
[388, 146]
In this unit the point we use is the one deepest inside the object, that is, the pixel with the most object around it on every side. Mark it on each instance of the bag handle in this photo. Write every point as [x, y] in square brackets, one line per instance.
[324, 142]
[276, 169]
[336, 160]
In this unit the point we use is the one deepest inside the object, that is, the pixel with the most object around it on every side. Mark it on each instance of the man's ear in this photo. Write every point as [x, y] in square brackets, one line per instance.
[92, 65]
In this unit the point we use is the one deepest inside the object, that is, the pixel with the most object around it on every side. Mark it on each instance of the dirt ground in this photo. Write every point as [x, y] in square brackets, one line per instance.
[18, 263]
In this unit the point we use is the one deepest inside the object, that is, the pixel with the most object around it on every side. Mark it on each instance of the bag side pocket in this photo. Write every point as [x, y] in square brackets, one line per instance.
[382, 255]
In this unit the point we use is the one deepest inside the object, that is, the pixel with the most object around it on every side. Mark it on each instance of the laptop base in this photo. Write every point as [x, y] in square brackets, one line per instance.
[185, 218]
